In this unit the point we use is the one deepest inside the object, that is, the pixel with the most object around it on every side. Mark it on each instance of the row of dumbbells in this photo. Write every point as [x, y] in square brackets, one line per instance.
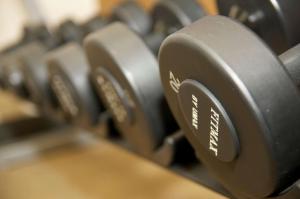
[215, 82]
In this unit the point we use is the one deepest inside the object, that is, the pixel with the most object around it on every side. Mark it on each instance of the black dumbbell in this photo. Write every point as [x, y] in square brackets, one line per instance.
[169, 16]
[238, 104]
[11, 78]
[10, 63]
[276, 21]
[69, 71]
[131, 13]
[69, 80]
[126, 76]
[33, 63]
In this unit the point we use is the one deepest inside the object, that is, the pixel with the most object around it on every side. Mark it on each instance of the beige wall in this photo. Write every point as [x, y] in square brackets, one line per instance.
[13, 14]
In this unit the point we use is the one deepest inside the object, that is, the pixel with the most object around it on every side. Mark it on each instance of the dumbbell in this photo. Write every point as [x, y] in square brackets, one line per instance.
[12, 79]
[33, 63]
[30, 34]
[169, 16]
[276, 21]
[10, 62]
[238, 104]
[131, 13]
[69, 71]
[125, 73]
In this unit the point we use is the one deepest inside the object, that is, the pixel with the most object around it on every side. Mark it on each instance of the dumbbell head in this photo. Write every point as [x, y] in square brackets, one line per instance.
[33, 70]
[69, 31]
[93, 24]
[69, 79]
[169, 16]
[38, 33]
[236, 103]
[175, 14]
[12, 77]
[276, 21]
[126, 76]
[132, 14]
[41, 34]
[34, 63]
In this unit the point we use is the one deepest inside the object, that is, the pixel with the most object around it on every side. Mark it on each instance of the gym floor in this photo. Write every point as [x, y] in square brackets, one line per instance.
[86, 171]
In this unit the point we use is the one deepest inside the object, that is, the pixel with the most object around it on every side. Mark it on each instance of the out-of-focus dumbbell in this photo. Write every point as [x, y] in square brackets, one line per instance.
[126, 75]
[238, 104]
[30, 34]
[276, 21]
[33, 63]
[69, 74]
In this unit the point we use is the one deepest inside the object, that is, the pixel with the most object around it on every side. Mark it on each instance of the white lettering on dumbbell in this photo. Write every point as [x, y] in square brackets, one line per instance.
[64, 96]
[174, 82]
[112, 98]
[195, 112]
[214, 131]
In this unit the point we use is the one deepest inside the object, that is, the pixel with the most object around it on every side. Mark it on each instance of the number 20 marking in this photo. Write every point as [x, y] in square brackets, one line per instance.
[174, 82]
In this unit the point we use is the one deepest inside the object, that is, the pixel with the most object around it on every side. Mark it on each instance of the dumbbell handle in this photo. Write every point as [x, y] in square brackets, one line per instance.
[291, 60]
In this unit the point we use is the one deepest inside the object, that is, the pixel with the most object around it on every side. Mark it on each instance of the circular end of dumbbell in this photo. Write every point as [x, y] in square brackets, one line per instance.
[275, 21]
[69, 31]
[252, 88]
[35, 75]
[12, 75]
[94, 24]
[133, 15]
[63, 91]
[170, 15]
[115, 95]
[126, 76]
[208, 120]
[70, 82]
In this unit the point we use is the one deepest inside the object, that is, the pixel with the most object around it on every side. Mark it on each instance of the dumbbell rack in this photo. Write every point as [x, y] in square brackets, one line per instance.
[15, 149]
[165, 156]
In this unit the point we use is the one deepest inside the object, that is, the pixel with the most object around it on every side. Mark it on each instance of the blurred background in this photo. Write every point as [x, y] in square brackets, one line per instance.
[15, 13]
[92, 169]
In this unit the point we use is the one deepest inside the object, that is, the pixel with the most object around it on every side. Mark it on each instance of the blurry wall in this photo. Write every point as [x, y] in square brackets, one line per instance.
[14, 13]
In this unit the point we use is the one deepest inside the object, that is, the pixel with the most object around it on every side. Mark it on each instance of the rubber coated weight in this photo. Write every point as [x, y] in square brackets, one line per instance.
[69, 31]
[78, 101]
[168, 16]
[13, 79]
[132, 14]
[12, 76]
[30, 34]
[34, 74]
[93, 24]
[252, 101]
[34, 66]
[69, 79]
[135, 100]
[276, 21]
[126, 76]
